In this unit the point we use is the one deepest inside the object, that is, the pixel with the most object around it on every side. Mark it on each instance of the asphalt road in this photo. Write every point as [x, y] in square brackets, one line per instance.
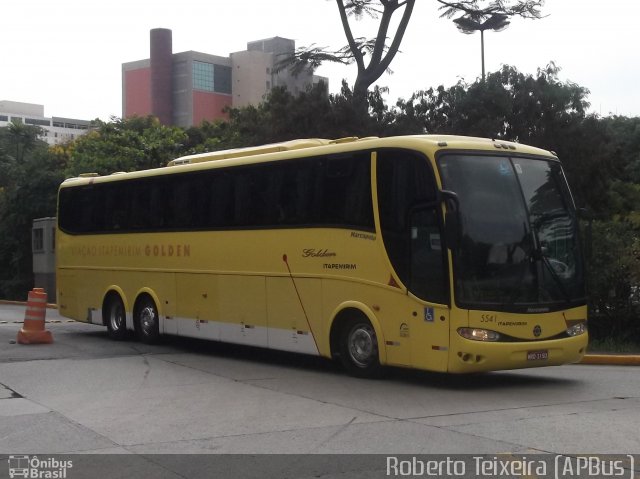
[87, 394]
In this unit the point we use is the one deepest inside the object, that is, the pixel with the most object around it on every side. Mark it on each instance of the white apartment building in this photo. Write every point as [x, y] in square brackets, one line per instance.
[55, 129]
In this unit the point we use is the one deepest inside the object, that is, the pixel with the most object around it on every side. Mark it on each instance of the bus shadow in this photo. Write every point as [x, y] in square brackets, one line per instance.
[514, 379]
[304, 362]
[252, 354]
[475, 381]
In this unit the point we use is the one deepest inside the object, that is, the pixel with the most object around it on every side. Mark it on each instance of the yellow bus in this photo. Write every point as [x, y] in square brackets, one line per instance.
[441, 253]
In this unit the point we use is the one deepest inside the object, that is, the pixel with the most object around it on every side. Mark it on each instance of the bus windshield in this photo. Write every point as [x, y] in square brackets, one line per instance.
[518, 248]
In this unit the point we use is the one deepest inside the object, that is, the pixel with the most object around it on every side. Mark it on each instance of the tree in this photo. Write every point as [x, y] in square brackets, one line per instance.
[613, 273]
[382, 49]
[313, 113]
[357, 49]
[23, 138]
[494, 16]
[125, 145]
[27, 190]
[380, 55]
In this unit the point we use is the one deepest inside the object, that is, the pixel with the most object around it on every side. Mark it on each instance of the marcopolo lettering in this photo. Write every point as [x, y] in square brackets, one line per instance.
[367, 236]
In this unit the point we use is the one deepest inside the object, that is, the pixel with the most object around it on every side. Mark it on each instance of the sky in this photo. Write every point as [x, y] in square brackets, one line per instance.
[67, 54]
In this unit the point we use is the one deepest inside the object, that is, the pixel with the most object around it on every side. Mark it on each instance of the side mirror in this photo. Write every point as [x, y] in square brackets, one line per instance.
[452, 229]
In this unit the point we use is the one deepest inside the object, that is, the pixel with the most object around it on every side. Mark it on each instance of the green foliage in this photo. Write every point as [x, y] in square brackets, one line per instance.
[283, 116]
[624, 159]
[125, 145]
[28, 186]
[613, 266]
[21, 139]
[206, 137]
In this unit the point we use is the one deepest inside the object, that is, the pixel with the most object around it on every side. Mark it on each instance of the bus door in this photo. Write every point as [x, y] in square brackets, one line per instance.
[428, 283]
[410, 215]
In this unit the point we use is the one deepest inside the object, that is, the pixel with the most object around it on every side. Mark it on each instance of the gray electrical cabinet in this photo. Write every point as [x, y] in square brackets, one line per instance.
[43, 247]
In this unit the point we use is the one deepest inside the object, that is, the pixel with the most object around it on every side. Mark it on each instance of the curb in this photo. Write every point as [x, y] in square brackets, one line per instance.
[612, 359]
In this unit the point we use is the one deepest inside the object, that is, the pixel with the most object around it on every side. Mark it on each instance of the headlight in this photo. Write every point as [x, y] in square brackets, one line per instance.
[479, 334]
[577, 329]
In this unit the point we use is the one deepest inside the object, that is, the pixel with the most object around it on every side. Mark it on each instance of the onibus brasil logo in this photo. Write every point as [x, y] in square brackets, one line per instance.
[35, 468]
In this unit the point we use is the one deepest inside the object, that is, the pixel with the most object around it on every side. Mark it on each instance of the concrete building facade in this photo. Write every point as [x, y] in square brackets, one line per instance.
[55, 129]
[186, 88]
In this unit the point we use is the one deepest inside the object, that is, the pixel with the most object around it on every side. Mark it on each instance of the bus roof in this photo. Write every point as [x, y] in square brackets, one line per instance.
[249, 151]
[318, 146]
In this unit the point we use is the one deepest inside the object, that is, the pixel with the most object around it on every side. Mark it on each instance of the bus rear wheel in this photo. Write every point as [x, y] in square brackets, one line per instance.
[359, 349]
[147, 321]
[113, 312]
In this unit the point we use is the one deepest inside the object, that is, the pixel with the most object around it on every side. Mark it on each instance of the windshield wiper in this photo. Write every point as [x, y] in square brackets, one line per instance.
[545, 260]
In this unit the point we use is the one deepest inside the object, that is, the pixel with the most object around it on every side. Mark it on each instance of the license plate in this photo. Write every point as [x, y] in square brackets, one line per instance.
[537, 355]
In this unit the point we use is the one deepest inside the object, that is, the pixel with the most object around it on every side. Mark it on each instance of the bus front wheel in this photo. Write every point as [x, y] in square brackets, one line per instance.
[359, 349]
[147, 321]
[113, 312]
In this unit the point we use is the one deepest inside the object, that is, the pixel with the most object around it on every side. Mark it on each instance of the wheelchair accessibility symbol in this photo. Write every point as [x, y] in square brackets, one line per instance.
[428, 314]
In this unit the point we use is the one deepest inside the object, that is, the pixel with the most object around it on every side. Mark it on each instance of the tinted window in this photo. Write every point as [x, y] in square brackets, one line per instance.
[306, 192]
[519, 244]
[409, 219]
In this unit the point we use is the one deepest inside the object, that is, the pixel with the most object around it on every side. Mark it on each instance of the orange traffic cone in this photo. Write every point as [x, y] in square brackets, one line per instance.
[33, 331]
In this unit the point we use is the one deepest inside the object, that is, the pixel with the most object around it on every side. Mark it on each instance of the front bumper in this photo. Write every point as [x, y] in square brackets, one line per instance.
[468, 356]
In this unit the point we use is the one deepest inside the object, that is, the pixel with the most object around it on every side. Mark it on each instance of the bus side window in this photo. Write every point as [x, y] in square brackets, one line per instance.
[287, 196]
[303, 187]
[264, 181]
[86, 210]
[141, 205]
[116, 207]
[242, 211]
[221, 199]
[295, 192]
[346, 191]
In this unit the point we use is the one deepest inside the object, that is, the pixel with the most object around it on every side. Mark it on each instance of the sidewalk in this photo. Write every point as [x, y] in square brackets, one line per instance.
[13, 312]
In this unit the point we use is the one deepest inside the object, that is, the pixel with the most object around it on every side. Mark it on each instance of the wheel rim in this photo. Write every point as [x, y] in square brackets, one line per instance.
[116, 317]
[362, 345]
[147, 320]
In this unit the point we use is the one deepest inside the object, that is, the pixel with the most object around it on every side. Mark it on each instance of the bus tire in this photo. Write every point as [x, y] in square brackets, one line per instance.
[147, 321]
[114, 315]
[359, 350]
